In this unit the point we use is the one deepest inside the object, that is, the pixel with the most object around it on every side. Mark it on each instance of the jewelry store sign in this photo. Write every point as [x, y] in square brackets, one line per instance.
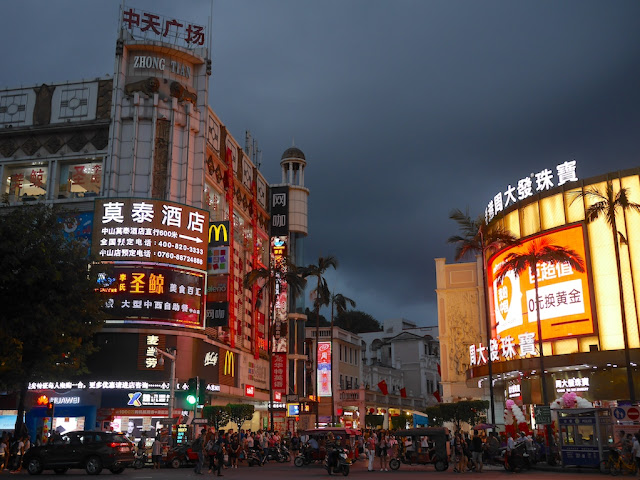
[144, 230]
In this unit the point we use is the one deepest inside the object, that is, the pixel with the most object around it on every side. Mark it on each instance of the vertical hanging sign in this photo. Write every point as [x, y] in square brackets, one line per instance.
[324, 369]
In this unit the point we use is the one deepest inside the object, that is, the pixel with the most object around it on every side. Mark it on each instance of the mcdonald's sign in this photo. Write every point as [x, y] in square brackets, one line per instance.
[218, 233]
[229, 364]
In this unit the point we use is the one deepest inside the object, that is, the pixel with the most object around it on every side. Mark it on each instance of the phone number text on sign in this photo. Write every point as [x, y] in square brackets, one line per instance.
[128, 230]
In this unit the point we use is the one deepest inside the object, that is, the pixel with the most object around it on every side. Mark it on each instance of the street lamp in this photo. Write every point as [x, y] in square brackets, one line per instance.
[171, 354]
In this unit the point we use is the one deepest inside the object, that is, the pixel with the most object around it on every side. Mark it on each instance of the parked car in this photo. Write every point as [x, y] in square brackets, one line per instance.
[92, 451]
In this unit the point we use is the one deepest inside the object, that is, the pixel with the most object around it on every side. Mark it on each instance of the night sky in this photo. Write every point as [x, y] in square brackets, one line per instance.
[404, 109]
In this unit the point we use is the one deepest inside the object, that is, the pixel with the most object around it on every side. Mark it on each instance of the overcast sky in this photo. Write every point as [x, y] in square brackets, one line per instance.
[404, 109]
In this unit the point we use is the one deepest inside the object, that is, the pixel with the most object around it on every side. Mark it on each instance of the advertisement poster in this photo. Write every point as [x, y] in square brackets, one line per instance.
[324, 369]
[563, 293]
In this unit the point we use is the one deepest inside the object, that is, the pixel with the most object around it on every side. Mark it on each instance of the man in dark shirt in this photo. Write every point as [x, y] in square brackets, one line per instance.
[476, 451]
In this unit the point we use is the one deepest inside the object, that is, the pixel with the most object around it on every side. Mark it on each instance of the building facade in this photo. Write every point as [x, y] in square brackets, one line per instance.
[587, 346]
[167, 196]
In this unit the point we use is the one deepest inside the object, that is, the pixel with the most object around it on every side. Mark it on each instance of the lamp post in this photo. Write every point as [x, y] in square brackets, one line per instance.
[171, 354]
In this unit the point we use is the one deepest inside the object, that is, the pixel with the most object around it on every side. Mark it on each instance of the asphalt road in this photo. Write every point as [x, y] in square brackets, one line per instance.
[286, 471]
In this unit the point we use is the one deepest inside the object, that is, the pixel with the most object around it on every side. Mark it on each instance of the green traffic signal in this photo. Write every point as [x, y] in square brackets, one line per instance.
[191, 399]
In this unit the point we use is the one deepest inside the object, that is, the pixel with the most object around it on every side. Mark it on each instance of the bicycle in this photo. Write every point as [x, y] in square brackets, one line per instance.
[617, 463]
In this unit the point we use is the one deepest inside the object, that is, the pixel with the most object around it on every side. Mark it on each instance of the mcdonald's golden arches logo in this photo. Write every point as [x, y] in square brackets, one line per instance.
[229, 363]
[219, 233]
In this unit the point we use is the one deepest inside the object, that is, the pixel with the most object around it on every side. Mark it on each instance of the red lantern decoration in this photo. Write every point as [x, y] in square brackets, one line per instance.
[372, 411]
[383, 411]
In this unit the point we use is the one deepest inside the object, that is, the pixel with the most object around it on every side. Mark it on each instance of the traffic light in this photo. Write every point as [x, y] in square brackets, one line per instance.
[192, 393]
[202, 392]
[50, 409]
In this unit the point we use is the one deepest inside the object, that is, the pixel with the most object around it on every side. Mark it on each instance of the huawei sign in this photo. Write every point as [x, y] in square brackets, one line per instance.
[249, 390]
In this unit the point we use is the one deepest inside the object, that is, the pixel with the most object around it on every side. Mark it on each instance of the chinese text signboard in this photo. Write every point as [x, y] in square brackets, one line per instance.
[147, 344]
[529, 186]
[165, 29]
[143, 230]
[281, 305]
[152, 293]
[279, 211]
[563, 299]
[279, 372]
[324, 369]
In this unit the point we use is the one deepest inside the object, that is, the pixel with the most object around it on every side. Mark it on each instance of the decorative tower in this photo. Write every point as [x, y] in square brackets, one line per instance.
[289, 201]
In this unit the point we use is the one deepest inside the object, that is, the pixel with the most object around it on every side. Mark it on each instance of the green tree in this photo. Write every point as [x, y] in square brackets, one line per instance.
[217, 415]
[477, 239]
[321, 294]
[607, 205]
[240, 412]
[356, 321]
[50, 306]
[539, 251]
[322, 320]
[467, 411]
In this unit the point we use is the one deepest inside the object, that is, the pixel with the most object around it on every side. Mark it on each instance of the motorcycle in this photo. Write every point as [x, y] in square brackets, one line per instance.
[255, 457]
[308, 456]
[518, 459]
[278, 453]
[142, 459]
[337, 461]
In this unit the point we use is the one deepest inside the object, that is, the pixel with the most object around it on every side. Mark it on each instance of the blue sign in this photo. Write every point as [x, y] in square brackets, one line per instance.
[580, 455]
[619, 413]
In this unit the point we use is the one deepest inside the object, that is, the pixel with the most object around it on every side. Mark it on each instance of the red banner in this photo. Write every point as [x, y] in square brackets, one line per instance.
[383, 387]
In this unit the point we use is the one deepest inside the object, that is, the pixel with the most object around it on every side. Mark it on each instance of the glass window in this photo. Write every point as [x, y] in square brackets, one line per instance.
[26, 183]
[81, 179]
[213, 203]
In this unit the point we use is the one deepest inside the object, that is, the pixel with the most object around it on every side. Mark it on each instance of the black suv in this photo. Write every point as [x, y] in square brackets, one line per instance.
[92, 451]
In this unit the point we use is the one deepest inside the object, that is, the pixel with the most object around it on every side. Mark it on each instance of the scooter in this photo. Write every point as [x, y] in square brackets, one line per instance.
[340, 460]
[255, 457]
[308, 456]
[142, 459]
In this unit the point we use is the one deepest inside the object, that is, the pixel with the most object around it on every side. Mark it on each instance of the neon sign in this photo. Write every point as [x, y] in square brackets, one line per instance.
[528, 186]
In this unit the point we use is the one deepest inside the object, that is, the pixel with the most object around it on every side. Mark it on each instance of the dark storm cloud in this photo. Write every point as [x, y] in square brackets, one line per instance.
[405, 109]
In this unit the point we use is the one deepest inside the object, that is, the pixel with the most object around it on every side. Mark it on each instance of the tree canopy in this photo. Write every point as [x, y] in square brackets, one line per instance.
[466, 411]
[50, 307]
[356, 321]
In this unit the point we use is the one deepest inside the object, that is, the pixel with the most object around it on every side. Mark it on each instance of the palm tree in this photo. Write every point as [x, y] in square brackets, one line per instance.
[476, 239]
[539, 251]
[340, 303]
[321, 295]
[265, 278]
[607, 205]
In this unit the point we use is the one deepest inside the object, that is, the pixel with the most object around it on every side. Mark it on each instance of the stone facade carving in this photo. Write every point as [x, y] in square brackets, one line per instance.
[462, 319]
[148, 86]
[42, 108]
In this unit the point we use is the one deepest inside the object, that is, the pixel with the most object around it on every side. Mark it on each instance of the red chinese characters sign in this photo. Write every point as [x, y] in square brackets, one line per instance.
[279, 372]
[163, 28]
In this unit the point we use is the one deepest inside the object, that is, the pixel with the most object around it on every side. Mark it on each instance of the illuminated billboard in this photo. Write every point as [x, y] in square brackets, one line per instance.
[563, 297]
[324, 369]
[144, 230]
[281, 305]
[153, 294]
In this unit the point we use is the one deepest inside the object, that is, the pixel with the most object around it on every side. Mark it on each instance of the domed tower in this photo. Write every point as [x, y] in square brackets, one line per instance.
[289, 226]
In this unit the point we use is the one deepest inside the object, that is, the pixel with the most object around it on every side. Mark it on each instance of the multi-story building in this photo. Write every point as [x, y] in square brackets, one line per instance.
[164, 192]
[380, 374]
[588, 327]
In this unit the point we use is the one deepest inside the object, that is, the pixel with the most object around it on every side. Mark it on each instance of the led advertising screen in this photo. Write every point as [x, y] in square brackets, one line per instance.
[144, 230]
[153, 293]
[324, 369]
[563, 293]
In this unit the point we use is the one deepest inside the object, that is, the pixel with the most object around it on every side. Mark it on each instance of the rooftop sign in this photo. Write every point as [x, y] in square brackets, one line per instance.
[165, 29]
[529, 186]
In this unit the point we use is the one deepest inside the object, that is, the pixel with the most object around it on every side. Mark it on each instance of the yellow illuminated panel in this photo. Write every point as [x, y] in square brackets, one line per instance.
[563, 296]
[530, 220]
[552, 212]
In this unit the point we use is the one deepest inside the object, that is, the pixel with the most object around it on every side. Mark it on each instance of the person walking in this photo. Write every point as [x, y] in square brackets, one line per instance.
[383, 447]
[370, 450]
[198, 448]
[476, 451]
[156, 452]
[4, 453]
[636, 451]
[295, 446]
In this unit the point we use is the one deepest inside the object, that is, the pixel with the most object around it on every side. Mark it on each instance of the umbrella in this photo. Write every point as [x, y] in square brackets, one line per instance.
[483, 426]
